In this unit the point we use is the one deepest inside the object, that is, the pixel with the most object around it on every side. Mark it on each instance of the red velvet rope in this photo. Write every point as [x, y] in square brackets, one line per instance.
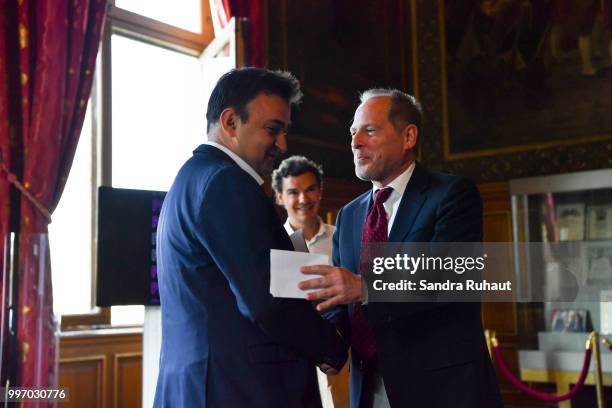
[542, 395]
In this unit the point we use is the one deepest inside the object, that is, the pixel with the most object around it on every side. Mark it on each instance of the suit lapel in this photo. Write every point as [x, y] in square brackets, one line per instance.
[413, 199]
[361, 212]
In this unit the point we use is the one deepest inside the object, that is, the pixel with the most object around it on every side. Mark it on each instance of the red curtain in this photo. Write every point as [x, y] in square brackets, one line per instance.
[223, 10]
[4, 184]
[220, 11]
[253, 10]
[47, 57]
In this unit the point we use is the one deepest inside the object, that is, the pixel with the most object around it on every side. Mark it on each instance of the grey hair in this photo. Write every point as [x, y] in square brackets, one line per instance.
[405, 109]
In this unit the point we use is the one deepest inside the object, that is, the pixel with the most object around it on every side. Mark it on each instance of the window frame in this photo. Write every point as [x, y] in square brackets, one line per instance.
[137, 27]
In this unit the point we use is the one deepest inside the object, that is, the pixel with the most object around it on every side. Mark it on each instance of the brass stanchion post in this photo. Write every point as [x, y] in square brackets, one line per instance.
[489, 334]
[598, 374]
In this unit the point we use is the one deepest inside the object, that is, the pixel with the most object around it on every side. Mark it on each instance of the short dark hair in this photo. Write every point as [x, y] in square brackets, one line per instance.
[405, 109]
[295, 166]
[236, 88]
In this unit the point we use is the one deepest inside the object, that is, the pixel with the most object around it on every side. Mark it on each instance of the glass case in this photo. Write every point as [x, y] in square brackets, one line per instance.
[562, 239]
[570, 216]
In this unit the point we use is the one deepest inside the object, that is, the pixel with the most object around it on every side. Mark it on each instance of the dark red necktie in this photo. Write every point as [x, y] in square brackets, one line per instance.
[363, 342]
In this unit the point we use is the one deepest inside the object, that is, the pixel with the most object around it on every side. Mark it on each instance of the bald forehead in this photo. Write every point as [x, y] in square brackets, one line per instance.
[373, 109]
[376, 102]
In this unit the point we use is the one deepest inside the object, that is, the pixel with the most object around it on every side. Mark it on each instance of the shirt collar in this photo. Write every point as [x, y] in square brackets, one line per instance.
[399, 183]
[322, 229]
[288, 227]
[243, 165]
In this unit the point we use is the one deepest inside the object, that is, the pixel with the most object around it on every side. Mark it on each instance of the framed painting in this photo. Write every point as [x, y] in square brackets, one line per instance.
[520, 75]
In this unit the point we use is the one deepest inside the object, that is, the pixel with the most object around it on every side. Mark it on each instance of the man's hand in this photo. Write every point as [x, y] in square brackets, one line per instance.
[338, 286]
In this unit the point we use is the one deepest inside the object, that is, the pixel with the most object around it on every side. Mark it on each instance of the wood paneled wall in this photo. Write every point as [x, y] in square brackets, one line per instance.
[102, 369]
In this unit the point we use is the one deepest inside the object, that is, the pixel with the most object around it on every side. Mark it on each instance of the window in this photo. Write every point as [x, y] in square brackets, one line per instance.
[158, 113]
[180, 13]
[157, 120]
[71, 231]
[145, 117]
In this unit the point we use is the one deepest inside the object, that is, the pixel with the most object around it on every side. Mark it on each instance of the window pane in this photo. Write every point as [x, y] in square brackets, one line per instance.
[70, 232]
[185, 14]
[158, 120]
[158, 113]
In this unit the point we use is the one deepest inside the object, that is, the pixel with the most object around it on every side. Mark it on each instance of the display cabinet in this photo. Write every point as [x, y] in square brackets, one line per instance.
[562, 241]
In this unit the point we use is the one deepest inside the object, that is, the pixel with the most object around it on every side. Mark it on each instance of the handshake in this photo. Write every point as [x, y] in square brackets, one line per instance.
[333, 286]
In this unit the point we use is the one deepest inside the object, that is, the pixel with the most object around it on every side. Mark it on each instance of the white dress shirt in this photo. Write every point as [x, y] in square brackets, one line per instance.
[243, 165]
[399, 186]
[321, 243]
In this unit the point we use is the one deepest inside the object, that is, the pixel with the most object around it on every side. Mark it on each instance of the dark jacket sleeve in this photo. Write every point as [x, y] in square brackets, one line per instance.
[338, 315]
[238, 226]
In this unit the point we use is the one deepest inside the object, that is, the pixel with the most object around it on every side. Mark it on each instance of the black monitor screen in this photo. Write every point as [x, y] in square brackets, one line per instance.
[127, 226]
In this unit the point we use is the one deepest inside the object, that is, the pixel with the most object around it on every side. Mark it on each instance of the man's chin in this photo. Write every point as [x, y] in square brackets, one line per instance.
[305, 219]
[305, 216]
[362, 174]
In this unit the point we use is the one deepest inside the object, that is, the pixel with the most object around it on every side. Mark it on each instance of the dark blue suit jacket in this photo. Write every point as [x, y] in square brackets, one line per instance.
[226, 342]
[430, 355]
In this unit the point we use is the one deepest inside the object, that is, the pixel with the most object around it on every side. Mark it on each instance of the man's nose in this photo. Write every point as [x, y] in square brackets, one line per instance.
[281, 142]
[302, 197]
[357, 140]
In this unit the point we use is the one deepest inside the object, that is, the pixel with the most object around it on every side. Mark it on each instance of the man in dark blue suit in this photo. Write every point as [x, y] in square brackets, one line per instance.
[226, 342]
[404, 354]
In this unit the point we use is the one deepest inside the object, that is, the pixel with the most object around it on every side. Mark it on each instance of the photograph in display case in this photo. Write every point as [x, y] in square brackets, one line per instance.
[597, 261]
[606, 311]
[570, 221]
[599, 222]
[569, 320]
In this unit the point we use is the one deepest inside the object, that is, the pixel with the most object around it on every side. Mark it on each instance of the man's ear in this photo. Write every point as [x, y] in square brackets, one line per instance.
[411, 135]
[227, 121]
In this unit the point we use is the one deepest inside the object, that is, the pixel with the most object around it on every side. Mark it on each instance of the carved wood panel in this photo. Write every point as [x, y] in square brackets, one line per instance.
[102, 369]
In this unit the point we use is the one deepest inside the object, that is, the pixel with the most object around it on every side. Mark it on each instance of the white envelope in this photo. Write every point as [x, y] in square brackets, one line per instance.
[285, 272]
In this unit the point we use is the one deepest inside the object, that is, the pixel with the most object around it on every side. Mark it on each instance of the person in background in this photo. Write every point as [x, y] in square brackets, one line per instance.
[298, 187]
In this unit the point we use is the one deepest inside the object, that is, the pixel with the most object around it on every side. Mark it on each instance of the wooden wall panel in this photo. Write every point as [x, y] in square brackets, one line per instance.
[497, 217]
[128, 380]
[500, 317]
[84, 378]
[102, 368]
[497, 226]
